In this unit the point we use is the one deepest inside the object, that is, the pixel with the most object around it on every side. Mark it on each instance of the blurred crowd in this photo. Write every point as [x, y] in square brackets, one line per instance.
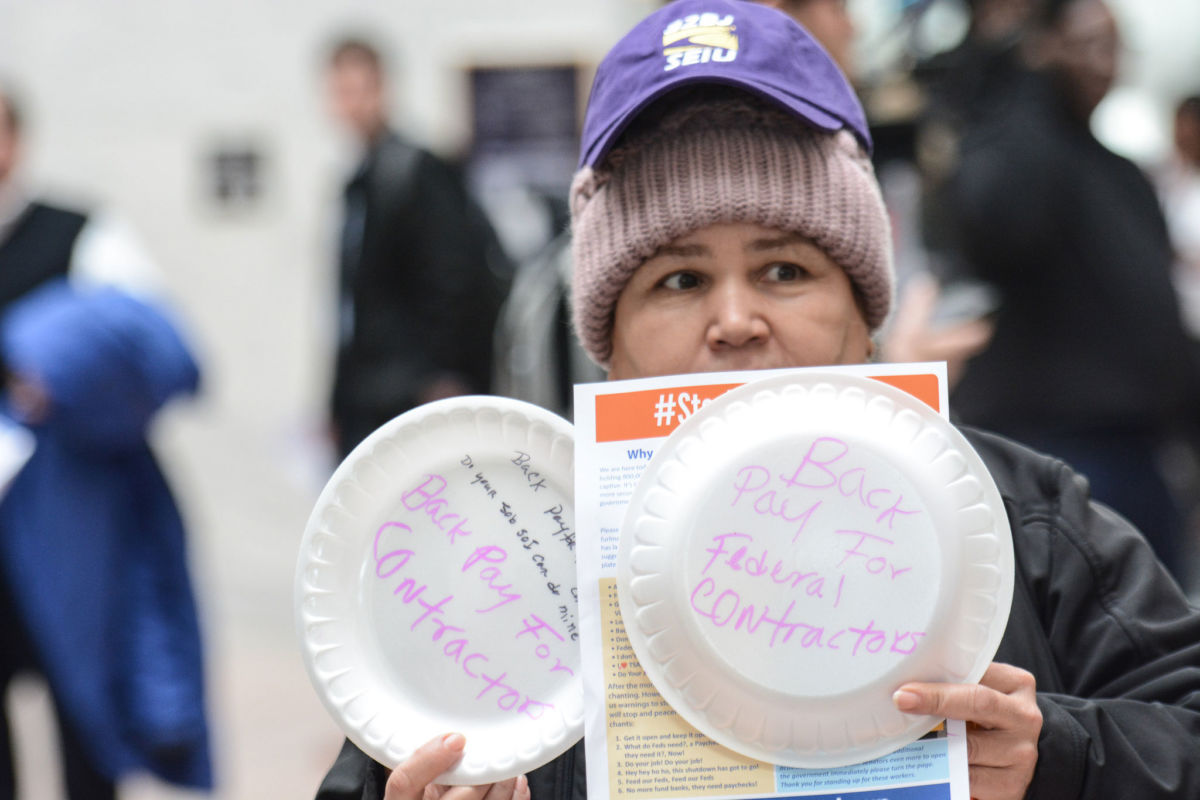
[1059, 281]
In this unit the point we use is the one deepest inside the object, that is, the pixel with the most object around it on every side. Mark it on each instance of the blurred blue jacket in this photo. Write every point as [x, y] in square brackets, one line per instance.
[91, 541]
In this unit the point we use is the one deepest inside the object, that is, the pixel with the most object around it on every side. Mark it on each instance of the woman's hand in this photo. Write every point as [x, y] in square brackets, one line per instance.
[1003, 724]
[412, 780]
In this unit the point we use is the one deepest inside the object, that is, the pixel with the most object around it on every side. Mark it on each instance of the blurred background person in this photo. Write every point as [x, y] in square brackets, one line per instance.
[537, 357]
[1090, 360]
[422, 274]
[974, 81]
[95, 592]
[45, 241]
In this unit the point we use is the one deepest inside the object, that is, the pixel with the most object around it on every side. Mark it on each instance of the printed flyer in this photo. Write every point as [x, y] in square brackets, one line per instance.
[639, 748]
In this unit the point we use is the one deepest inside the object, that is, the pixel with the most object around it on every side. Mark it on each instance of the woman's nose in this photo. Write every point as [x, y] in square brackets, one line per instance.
[736, 319]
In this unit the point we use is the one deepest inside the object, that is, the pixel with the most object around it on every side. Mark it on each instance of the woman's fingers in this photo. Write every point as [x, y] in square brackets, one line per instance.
[1003, 724]
[408, 781]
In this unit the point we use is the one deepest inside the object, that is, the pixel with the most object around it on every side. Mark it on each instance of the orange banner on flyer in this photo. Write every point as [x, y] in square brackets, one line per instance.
[923, 386]
[657, 412]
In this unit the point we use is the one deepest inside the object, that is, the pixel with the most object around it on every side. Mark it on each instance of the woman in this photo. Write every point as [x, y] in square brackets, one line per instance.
[726, 217]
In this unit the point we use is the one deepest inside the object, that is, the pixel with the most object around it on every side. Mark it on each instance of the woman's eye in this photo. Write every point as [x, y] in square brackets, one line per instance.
[785, 272]
[680, 280]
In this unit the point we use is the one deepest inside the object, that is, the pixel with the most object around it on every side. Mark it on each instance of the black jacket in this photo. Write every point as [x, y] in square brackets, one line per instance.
[422, 281]
[1111, 639]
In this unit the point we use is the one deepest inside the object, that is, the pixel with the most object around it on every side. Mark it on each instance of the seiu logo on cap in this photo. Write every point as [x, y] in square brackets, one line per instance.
[698, 39]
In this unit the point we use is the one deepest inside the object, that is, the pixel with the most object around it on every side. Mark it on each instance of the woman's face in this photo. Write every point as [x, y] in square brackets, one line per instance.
[736, 296]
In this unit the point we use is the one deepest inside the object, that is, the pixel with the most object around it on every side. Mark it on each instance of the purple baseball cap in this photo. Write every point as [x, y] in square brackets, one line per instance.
[730, 42]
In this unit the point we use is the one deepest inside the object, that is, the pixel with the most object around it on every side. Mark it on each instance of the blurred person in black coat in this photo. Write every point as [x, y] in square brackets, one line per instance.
[421, 271]
[1090, 361]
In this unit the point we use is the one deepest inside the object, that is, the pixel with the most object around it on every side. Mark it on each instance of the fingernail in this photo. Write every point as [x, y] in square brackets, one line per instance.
[454, 741]
[906, 700]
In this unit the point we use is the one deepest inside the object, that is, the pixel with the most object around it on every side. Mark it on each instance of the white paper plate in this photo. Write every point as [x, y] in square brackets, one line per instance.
[801, 547]
[436, 591]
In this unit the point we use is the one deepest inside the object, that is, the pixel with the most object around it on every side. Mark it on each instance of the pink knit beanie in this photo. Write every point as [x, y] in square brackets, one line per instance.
[718, 155]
